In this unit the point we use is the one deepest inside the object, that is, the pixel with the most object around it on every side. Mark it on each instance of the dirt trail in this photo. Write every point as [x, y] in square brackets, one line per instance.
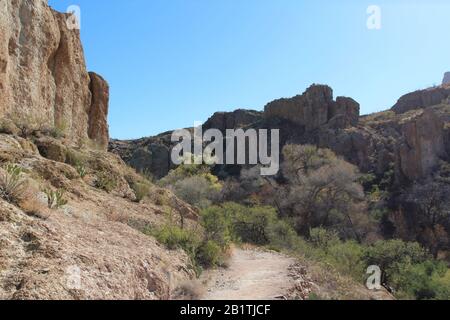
[253, 274]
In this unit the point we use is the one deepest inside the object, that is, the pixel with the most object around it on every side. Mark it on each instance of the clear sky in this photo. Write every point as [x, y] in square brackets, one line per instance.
[172, 62]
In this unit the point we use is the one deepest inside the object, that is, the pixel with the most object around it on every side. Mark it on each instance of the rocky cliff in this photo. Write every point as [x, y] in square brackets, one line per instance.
[446, 79]
[411, 139]
[43, 76]
[74, 219]
[315, 108]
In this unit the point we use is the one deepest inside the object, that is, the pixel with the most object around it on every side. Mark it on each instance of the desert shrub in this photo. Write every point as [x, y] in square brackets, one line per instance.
[28, 124]
[106, 181]
[322, 238]
[74, 158]
[55, 199]
[174, 237]
[202, 252]
[12, 186]
[424, 281]
[199, 191]
[217, 225]
[256, 225]
[282, 235]
[209, 254]
[141, 190]
[251, 224]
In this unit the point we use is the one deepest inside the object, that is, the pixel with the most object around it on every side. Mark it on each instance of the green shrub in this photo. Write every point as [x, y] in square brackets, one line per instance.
[251, 224]
[106, 181]
[282, 235]
[55, 199]
[256, 225]
[322, 238]
[209, 254]
[217, 224]
[174, 237]
[12, 186]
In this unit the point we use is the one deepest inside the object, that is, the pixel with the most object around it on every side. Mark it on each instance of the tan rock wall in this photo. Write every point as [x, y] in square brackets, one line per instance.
[43, 76]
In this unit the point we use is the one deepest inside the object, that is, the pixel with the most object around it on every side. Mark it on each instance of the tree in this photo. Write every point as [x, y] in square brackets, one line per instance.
[323, 191]
[432, 201]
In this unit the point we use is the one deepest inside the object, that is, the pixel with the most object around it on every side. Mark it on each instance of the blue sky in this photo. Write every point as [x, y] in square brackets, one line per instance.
[172, 62]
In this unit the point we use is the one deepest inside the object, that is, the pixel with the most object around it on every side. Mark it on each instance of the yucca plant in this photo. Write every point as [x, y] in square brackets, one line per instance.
[81, 169]
[55, 199]
[12, 185]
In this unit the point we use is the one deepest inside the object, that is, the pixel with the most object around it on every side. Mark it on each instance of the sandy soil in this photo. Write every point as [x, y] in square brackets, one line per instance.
[253, 274]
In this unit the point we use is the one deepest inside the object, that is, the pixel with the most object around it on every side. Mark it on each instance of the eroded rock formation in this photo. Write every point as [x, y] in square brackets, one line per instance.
[315, 108]
[422, 99]
[43, 76]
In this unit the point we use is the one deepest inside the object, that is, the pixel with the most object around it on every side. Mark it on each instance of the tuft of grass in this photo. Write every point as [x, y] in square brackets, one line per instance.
[12, 186]
[32, 206]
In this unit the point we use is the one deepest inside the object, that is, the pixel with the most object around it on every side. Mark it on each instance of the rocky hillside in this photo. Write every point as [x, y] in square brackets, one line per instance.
[401, 150]
[412, 137]
[74, 219]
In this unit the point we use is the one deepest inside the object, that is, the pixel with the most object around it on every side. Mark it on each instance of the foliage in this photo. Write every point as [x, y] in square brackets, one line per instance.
[141, 190]
[257, 225]
[12, 186]
[106, 181]
[55, 199]
[323, 190]
[81, 169]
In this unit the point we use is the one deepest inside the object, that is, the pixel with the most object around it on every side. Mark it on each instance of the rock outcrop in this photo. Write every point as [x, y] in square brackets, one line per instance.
[446, 79]
[232, 120]
[421, 145]
[98, 129]
[422, 99]
[43, 76]
[315, 108]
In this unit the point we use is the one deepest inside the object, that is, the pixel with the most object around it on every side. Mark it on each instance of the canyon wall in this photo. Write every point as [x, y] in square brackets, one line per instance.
[43, 76]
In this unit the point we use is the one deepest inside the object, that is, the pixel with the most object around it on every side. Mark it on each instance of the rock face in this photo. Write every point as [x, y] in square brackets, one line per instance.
[421, 145]
[446, 78]
[422, 99]
[43, 75]
[231, 120]
[315, 108]
[98, 129]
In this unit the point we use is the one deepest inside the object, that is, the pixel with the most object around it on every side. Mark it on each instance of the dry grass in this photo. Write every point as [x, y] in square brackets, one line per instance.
[117, 215]
[32, 206]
